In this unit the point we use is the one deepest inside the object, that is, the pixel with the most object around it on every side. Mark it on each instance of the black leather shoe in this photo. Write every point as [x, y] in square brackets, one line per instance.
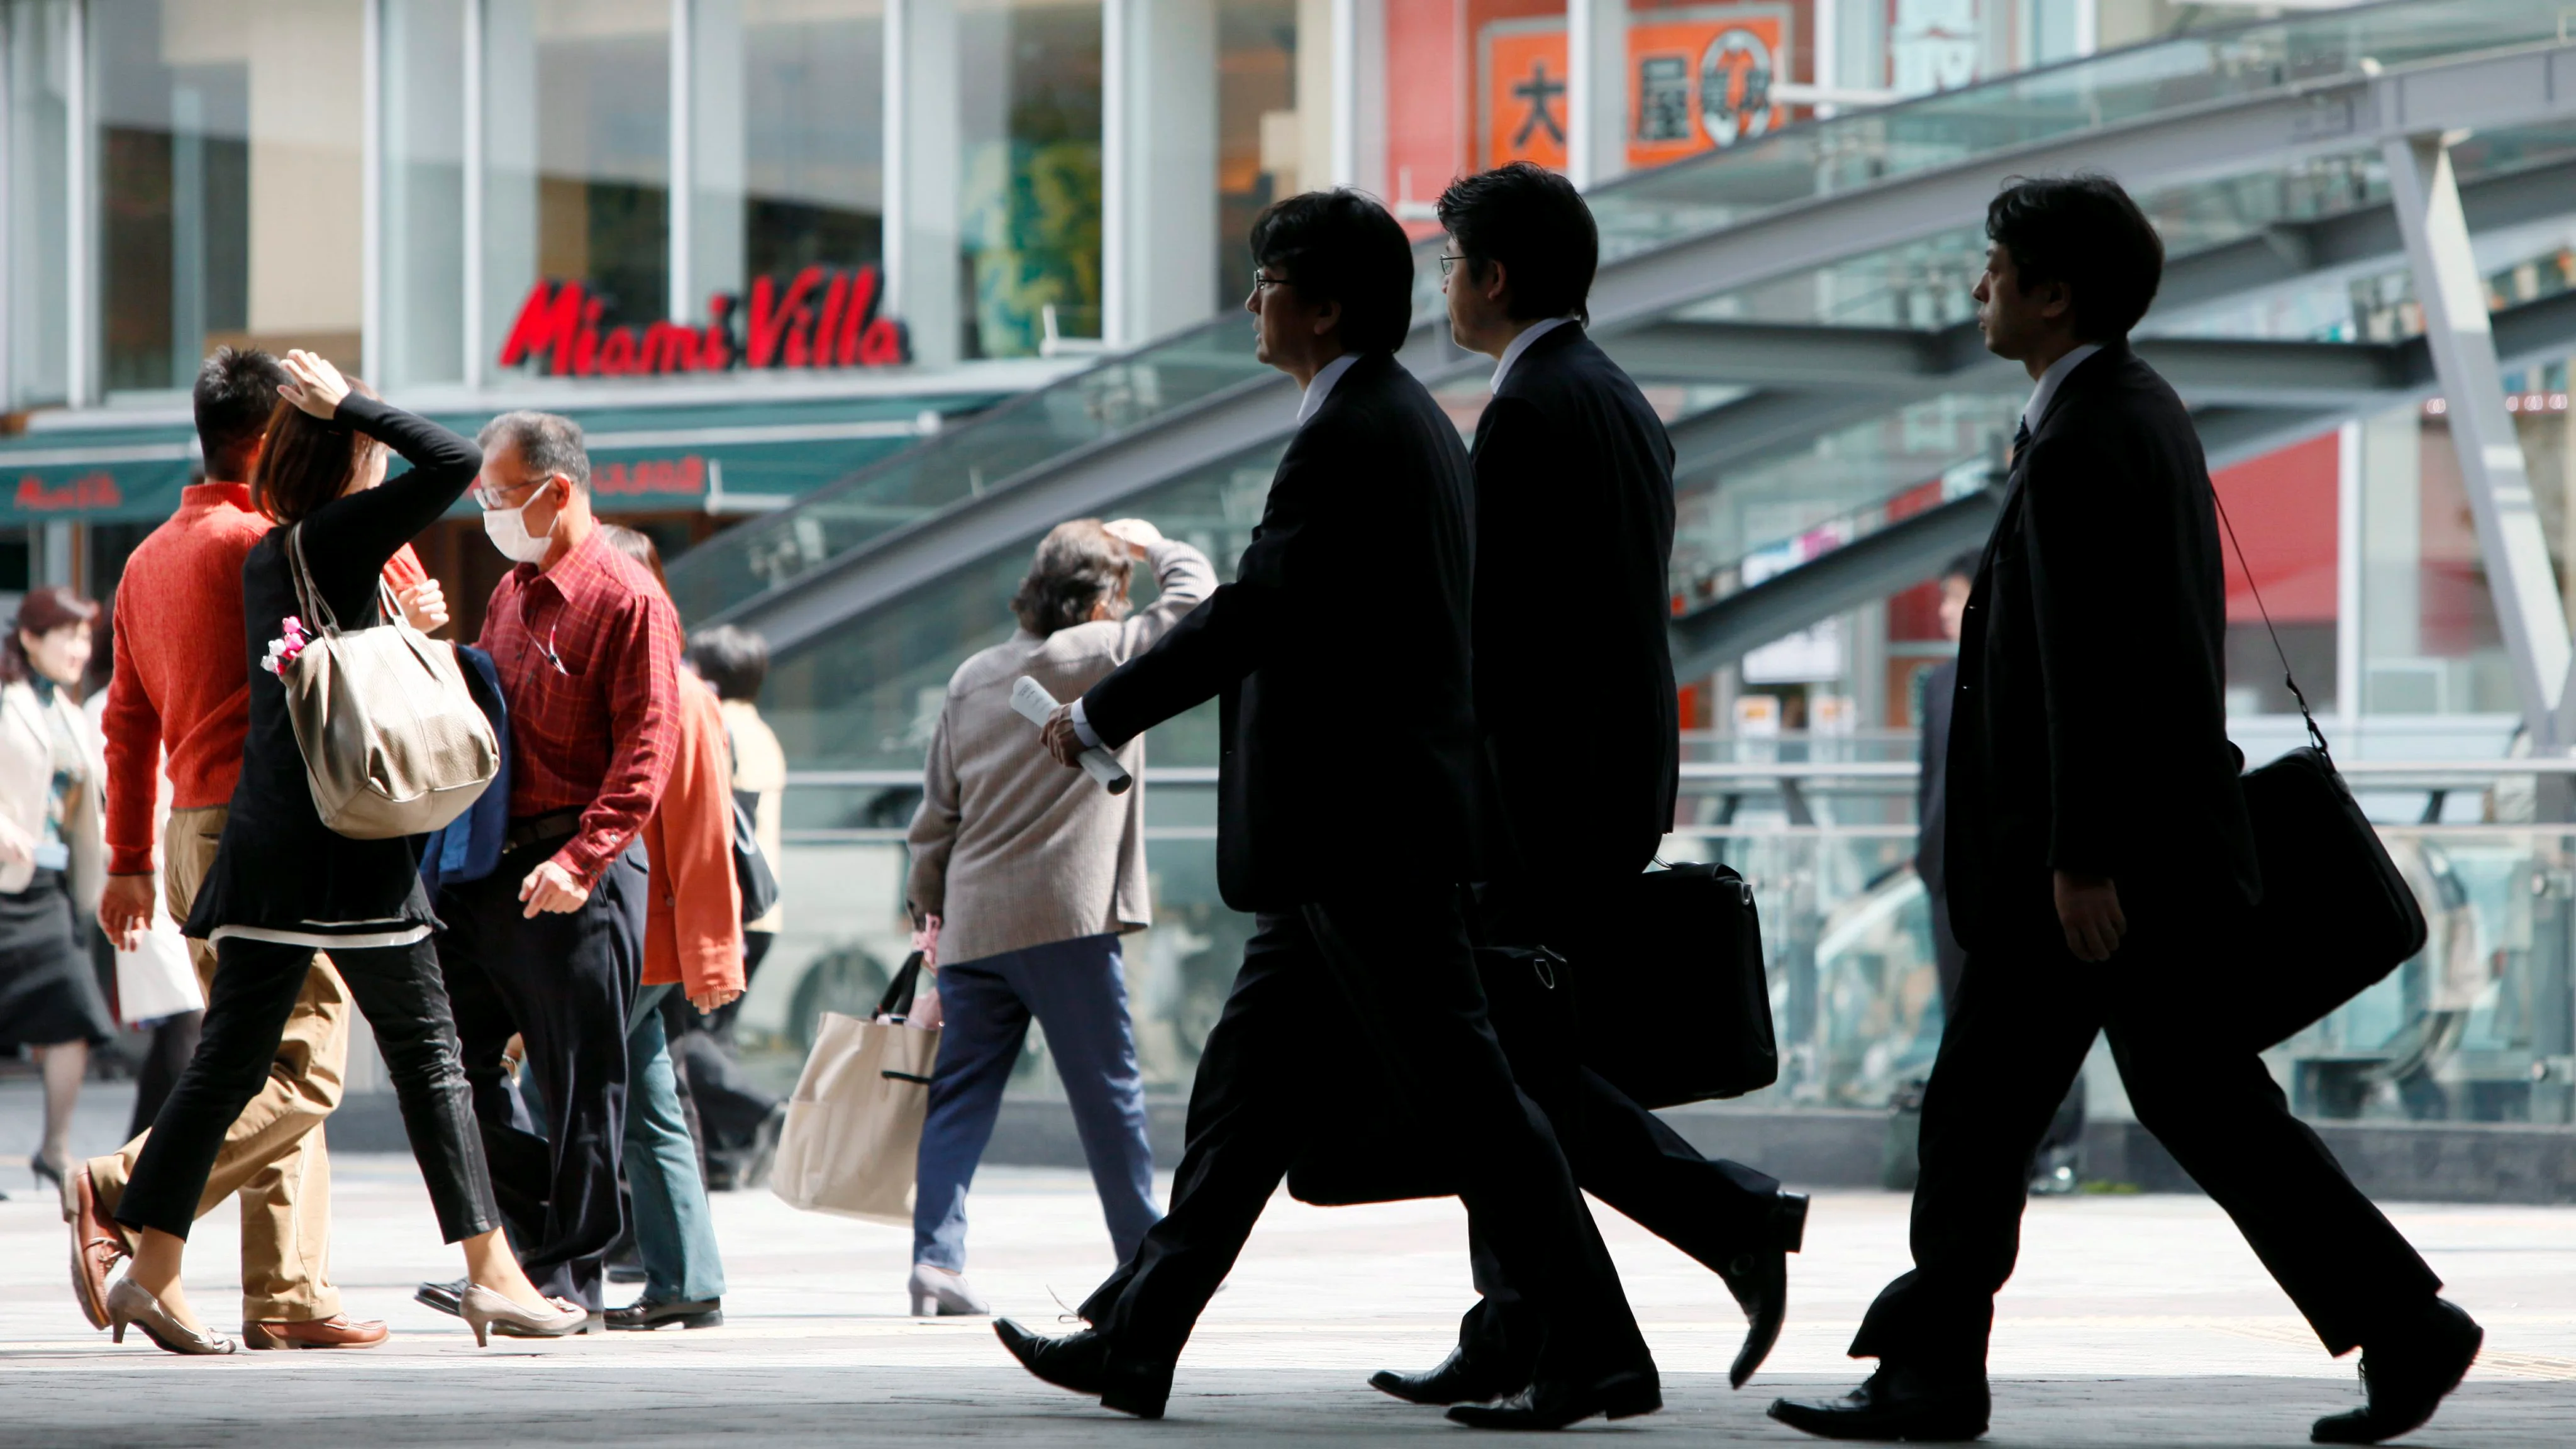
[447, 1298]
[1760, 1282]
[1546, 1405]
[2407, 1380]
[1458, 1380]
[649, 1313]
[1892, 1404]
[1080, 1362]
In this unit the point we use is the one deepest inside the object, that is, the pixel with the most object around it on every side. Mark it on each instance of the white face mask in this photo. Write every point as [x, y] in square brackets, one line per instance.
[508, 530]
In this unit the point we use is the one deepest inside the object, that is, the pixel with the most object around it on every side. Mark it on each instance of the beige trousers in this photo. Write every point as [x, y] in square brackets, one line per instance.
[274, 1156]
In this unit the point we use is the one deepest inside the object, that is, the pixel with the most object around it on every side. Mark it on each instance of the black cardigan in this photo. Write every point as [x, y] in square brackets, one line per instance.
[279, 867]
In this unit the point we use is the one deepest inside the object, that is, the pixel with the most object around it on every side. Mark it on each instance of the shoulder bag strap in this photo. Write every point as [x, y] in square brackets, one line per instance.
[2315, 736]
[307, 597]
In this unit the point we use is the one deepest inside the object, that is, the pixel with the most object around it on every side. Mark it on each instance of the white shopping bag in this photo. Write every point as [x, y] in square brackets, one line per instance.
[854, 1124]
[157, 978]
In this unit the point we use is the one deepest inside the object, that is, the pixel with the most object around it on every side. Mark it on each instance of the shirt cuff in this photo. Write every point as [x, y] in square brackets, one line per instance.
[1082, 730]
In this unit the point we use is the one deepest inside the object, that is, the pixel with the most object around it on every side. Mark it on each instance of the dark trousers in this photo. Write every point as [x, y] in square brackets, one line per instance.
[173, 1044]
[565, 983]
[1713, 1210]
[256, 985]
[2065, 1132]
[2027, 1011]
[1403, 988]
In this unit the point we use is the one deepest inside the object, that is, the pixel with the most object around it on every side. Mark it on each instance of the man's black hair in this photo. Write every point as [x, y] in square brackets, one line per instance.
[1964, 566]
[235, 395]
[1342, 246]
[1534, 222]
[734, 660]
[2084, 231]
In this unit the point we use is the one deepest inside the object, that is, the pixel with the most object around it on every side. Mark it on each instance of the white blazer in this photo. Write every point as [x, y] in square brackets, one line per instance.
[27, 785]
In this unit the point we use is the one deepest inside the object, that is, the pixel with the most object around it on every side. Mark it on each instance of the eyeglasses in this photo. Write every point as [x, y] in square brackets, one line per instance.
[1263, 281]
[491, 497]
[1449, 264]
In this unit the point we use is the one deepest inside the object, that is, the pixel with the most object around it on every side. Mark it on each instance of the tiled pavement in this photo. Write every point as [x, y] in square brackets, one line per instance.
[2135, 1320]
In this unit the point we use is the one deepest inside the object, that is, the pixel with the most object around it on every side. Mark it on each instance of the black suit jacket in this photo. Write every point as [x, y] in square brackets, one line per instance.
[1574, 668]
[1340, 659]
[2089, 731]
[1931, 785]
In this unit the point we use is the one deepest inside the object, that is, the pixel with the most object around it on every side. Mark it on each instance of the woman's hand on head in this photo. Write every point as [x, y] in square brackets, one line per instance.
[312, 384]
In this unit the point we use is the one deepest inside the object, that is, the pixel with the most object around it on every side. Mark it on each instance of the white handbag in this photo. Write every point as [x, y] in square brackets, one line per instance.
[158, 978]
[853, 1127]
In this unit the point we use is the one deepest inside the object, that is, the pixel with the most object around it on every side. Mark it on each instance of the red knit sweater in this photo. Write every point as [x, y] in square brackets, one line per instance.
[182, 675]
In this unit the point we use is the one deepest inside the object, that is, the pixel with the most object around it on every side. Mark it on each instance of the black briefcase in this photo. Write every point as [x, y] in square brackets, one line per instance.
[2335, 918]
[1674, 1008]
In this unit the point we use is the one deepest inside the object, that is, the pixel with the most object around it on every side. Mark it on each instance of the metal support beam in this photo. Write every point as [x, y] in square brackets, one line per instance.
[2529, 611]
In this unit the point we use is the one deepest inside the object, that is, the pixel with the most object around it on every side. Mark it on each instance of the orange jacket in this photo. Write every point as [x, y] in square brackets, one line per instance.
[693, 924]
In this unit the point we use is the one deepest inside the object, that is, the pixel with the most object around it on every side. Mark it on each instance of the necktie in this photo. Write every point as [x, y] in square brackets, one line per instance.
[2021, 439]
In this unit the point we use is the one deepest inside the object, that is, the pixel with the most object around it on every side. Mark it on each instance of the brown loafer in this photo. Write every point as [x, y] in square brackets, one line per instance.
[336, 1331]
[97, 1243]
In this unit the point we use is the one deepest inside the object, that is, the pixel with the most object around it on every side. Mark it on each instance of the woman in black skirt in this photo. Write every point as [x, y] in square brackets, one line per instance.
[49, 858]
[284, 885]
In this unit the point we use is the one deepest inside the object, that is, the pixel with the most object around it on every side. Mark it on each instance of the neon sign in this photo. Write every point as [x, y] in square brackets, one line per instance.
[820, 317]
[90, 490]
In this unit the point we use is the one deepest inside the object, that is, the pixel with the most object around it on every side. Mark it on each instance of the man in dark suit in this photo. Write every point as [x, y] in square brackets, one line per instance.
[1574, 690]
[1351, 809]
[2098, 852]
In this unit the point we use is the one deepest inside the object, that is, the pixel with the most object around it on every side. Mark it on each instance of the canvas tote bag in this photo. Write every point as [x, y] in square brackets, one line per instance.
[854, 1123]
[393, 741]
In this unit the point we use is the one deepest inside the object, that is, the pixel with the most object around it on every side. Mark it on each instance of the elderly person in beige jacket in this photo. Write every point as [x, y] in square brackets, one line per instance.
[1033, 873]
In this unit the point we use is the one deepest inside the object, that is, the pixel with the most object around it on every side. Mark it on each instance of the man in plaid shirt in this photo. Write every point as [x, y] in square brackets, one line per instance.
[551, 944]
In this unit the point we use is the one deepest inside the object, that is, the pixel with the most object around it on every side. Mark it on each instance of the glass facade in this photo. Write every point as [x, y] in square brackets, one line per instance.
[1260, 128]
[42, 83]
[1028, 172]
[230, 180]
[800, 181]
[424, 193]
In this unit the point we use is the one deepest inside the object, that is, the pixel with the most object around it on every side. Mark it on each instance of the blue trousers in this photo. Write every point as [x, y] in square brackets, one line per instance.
[1077, 990]
[675, 1232]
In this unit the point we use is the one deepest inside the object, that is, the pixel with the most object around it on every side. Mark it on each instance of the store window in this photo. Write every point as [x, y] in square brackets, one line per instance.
[1029, 172]
[229, 180]
[577, 145]
[424, 192]
[1259, 138]
[790, 158]
[40, 76]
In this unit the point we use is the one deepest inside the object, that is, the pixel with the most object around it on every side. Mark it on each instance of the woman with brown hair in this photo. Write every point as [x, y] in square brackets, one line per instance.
[284, 885]
[50, 856]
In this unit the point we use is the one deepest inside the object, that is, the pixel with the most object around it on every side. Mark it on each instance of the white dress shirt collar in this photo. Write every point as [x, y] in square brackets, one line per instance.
[1521, 344]
[1322, 387]
[2037, 407]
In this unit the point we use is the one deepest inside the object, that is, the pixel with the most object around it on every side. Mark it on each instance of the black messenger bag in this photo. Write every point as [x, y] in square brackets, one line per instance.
[1674, 1007]
[2335, 917]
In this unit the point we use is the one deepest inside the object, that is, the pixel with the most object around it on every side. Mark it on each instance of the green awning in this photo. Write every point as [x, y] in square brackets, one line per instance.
[720, 458]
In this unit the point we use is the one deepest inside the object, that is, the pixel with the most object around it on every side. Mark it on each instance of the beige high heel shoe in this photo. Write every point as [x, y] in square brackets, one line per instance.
[488, 1312]
[129, 1302]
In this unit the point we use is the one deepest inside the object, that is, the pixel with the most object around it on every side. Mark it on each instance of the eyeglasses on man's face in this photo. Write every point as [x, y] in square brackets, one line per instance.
[510, 496]
[1449, 263]
[1263, 282]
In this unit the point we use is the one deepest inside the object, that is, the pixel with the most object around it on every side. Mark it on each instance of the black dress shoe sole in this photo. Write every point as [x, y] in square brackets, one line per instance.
[437, 1296]
[1827, 1423]
[2363, 1426]
[1626, 1397]
[1436, 1391]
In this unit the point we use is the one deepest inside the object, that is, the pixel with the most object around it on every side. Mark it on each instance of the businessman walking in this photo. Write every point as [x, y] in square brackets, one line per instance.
[1576, 684]
[1352, 805]
[2098, 855]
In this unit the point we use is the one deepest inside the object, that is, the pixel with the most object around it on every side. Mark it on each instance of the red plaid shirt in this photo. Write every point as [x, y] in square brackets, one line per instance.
[589, 657]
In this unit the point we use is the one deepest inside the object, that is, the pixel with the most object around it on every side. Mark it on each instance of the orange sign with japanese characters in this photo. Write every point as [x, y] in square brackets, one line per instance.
[1698, 78]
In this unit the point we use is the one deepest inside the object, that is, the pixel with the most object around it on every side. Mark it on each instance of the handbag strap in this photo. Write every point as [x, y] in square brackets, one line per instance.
[307, 597]
[897, 1001]
[2316, 736]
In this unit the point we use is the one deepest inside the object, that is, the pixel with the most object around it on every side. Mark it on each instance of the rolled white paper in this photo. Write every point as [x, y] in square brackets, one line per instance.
[1034, 704]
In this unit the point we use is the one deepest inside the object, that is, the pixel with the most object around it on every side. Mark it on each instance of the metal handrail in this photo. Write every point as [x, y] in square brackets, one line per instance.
[1751, 772]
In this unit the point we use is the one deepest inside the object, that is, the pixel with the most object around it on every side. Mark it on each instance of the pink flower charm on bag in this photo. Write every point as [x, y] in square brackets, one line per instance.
[282, 650]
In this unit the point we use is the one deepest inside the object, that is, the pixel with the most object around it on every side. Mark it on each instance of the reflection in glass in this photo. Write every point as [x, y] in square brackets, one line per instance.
[577, 121]
[39, 88]
[1258, 139]
[1029, 171]
[229, 176]
[424, 192]
[789, 155]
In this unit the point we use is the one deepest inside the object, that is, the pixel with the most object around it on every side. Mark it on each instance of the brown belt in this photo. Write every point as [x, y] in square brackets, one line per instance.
[543, 829]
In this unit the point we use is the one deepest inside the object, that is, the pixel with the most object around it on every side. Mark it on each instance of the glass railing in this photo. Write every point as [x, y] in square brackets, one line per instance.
[1849, 153]
[2476, 1027]
[1798, 164]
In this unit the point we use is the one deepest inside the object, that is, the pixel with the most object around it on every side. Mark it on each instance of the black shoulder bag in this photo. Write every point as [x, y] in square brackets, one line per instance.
[2335, 917]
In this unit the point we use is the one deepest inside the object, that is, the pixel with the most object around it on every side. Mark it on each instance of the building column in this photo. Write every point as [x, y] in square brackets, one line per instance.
[2529, 612]
[714, 175]
[921, 163]
[1596, 133]
[1158, 173]
[1341, 94]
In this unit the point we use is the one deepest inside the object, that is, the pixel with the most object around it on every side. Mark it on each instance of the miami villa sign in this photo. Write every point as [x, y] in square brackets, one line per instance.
[818, 318]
